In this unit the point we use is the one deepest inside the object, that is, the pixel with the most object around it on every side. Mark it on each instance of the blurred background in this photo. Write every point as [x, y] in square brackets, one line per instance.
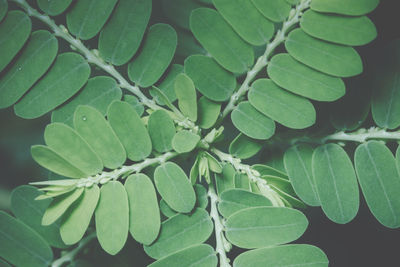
[363, 242]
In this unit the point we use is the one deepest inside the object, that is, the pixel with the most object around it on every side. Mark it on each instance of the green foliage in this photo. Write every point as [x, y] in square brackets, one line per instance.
[239, 76]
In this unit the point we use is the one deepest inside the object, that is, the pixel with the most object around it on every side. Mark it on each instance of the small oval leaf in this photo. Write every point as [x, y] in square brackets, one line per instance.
[345, 7]
[186, 94]
[185, 141]
[161, 130]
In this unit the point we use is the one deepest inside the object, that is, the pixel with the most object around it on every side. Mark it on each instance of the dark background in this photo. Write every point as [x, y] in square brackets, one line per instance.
[363, 242]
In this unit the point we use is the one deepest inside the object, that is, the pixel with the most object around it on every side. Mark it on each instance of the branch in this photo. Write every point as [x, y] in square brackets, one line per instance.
[363, 135]
[253, 176]
[262, 61]
[222, 245]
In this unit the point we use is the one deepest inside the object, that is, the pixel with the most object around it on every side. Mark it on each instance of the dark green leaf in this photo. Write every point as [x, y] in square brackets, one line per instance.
[277, 10]
[3, 9]
[53, 7]
[178, 11]
[155, 56]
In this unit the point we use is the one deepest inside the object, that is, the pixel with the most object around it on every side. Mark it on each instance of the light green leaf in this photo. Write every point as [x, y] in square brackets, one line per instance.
[167, 85]
[24, 246]
[332, 59]
[213, 163]
[242, 181]
[185, 141]
[178, 11]
[98, 92]
[345, 7]
[276, 10]
[238, 199]
[246, 20]
[196, 256]
[30, 211]
[51, 160]
[32, 63]
[53, 7]
[112, 217]
[59, 205]
[208, 112]
[174, 187]
[344, 30]
[251, 122]
[186, 94]
[162, 130]
[86, 17]
[201, 196]
[219, 39]
[121, 36]
[97, 132]
[268, 170]
[244, 147]
[69, 144]
[297, 161]
[265, 226]
[180, 232]
[284, 188]
[135, 103]
[336, 183]
[280, 105]
[68, 74]
[302, 80]
[144, 212]
[166, 210]
[78, 218]
[226, 179]
[130, 130]
[379, 181]
[283, 256]
[155, 56]
[14, 31]
[210, 79]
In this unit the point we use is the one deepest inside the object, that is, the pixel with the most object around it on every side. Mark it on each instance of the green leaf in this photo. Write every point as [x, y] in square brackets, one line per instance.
[251, 122]
[235, 200]
[68, 74]
[97, 132]
[277, 10]
[51, 160]
[69, 144]
[98, 92]
[186, 94]
[226, 179]
[178, 11]
[283, 256]
[280, 105]
[121, 36]
[162, 130]
[345, 7]
[2, 262]
[167, 85]
[284, 188]
[302, 80]
[185, 141]
[59, 205]
[246, 20]
[53, 7]
[32, 63]
[144, 212]
[344, 30]
[332, 59]
[180, 232]
[298, 160]
[187, 45]
[112, 217]
[24, 246]
[166, 210]
[30, 211]
[155, 56]
[208, 112]
[244, 147]
[265, 226]
[87, 17]
[201, 196]
[213, 163]
[3, 9]
[219, 39]
[130, 130]
[196, 256]
[135, 103]
[210, 79]
[336, 183]
[242, 181]
[379, 181]
[268, 170]
[76, 222]
[14, 31]
[174, 187]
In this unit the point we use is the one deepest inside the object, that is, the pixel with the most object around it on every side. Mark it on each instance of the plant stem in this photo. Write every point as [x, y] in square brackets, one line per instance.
[363, 135]
[222, 245]
[93, 57]
[253, 175]
[70, 256]
[262, 61]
